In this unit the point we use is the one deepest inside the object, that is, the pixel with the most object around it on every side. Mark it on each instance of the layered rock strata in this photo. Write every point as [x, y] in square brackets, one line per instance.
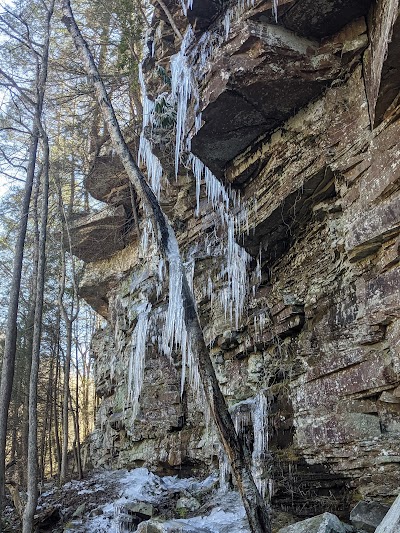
[302, 117]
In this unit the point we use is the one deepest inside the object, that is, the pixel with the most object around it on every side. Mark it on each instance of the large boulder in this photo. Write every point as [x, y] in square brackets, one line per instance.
[172, 526]
[324, 523]
[368, 515]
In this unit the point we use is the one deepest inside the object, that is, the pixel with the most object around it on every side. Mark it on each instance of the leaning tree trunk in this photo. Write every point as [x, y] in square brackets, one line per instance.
[257, 511]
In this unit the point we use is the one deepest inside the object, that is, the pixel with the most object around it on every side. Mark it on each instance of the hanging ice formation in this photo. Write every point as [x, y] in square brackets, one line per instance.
[233, 13]
[186, 4]
[137, 357]
[185, 92]
[251, 415]
[260, 446]
[145, 153]
[175, 334]
[184, 87]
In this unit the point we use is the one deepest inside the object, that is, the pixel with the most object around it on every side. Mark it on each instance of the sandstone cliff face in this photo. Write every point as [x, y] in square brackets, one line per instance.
[302, 117]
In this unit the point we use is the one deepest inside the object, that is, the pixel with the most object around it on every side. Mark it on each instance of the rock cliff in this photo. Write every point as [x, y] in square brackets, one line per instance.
[293, 106]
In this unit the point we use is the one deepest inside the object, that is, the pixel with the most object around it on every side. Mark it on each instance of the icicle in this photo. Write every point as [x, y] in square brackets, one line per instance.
[186, 5]
[242, 415]
[227, 23]
[137, 357]
[224, 470]
[145, 153]
[181, 89]
[198, 122]
[153, 165]
[145, 239]
[210, 288]
[198, 170]
[175, 334]
[261, 435]
[275, 9]
[161, 268]
[236, 271]
[148, 105]
[216, 193]
[189, 269]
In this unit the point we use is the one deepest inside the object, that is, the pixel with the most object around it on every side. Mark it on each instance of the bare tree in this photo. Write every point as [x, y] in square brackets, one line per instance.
[69, 316]
[7, 371]
[32, 480]
[257, 511]
[32, 484]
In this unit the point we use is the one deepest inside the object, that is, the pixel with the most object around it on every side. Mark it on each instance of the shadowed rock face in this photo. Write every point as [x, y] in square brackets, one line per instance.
[107, 181]
[310, 18]
[97, 236]
[261, 76]
[321, 18]
[204, 12]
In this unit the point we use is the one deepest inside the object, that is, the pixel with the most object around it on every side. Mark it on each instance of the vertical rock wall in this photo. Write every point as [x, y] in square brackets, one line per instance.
[299, 119]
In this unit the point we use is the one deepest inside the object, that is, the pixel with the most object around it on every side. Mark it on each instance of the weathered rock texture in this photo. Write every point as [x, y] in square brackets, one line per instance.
[320, 184]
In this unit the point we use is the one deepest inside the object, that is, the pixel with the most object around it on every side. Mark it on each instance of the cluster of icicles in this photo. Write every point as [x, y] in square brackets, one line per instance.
[251, 416]
[187, 69]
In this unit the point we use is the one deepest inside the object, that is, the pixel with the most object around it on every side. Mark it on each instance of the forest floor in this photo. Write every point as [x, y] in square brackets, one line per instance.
[118, 501]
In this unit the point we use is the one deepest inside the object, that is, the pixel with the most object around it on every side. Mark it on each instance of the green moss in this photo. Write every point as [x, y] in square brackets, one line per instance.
[287, 455]
[182, 512]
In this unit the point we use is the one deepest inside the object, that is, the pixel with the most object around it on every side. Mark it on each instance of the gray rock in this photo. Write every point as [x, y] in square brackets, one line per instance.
[324, 523]
[172, 526]
[368, 515]
[186, 503]
[141, 508]
[79, 511]
[391, 522]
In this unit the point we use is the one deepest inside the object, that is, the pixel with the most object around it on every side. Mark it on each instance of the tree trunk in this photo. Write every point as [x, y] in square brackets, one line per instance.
[170, 19]
[257, 511]
[46, 432]
[77, 411]
[65, 410]
[55, 410]
[32, 485]
[68, 316]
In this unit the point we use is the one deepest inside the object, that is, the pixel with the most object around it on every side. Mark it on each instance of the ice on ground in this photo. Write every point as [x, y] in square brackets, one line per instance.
[223, 512]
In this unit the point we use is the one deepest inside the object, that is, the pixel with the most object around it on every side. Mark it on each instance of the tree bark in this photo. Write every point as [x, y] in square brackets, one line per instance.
[68, 318]
[77, 414]
[32, 485]
[66, 394]
[257, 511]
[55, 412]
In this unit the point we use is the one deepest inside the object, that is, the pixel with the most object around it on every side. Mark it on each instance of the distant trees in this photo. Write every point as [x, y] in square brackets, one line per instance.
[16, 27]
[35, 112]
